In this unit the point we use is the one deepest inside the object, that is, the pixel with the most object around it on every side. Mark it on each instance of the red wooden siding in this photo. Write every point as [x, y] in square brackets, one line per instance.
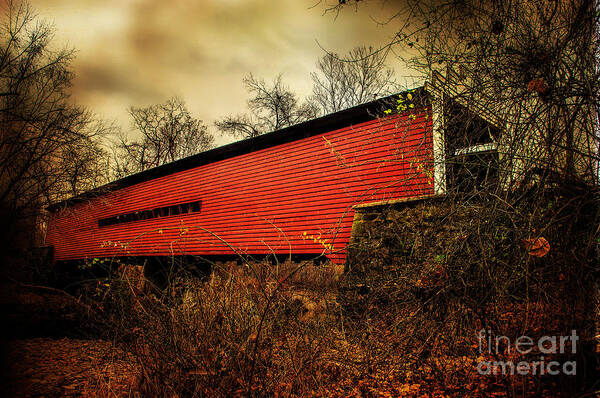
[294, 197]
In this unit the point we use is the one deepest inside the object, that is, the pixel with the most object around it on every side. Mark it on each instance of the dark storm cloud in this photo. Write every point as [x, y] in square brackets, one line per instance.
[94, 79]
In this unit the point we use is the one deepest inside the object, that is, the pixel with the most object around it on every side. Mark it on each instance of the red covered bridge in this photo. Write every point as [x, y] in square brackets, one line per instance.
[291, 191]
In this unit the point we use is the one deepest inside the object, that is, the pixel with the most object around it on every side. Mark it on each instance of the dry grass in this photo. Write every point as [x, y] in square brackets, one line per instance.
[256, 329]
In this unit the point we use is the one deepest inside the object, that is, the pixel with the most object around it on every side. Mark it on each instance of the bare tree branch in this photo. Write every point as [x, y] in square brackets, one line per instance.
[272, 107]
[169, 133]
[359, 77]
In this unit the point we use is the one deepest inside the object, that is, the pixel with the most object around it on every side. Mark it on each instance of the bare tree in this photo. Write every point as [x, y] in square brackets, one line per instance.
[86, 163]
[343, 82]
[49, 147]
[168, 132]
[272, 107]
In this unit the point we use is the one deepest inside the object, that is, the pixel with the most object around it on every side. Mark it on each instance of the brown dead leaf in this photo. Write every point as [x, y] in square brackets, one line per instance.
[538, 85]
[537, 247]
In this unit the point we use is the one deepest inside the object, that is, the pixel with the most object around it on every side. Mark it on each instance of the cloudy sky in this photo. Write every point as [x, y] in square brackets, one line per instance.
[141, 52]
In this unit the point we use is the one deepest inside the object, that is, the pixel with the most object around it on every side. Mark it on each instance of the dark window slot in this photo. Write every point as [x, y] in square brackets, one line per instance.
[195, 206]
[173, 210]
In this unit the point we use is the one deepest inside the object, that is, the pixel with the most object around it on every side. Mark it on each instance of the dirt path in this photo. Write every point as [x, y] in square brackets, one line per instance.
[67, 367]
[38, 360]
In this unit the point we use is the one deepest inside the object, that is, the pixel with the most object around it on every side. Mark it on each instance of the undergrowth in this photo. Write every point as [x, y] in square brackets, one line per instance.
[403, 319]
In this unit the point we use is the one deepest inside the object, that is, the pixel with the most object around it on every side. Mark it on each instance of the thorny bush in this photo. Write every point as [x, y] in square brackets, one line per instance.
[255, 329]
[437, 273]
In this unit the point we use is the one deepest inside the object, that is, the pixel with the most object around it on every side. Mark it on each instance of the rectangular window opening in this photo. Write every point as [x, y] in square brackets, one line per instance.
[471, 149]
[165, 211]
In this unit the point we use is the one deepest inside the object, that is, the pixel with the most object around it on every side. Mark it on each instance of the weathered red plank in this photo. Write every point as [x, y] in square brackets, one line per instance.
[294, 197]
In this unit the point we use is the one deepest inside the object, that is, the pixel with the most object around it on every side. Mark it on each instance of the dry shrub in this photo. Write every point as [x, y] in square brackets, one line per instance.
[434, 274]
[254, 329]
